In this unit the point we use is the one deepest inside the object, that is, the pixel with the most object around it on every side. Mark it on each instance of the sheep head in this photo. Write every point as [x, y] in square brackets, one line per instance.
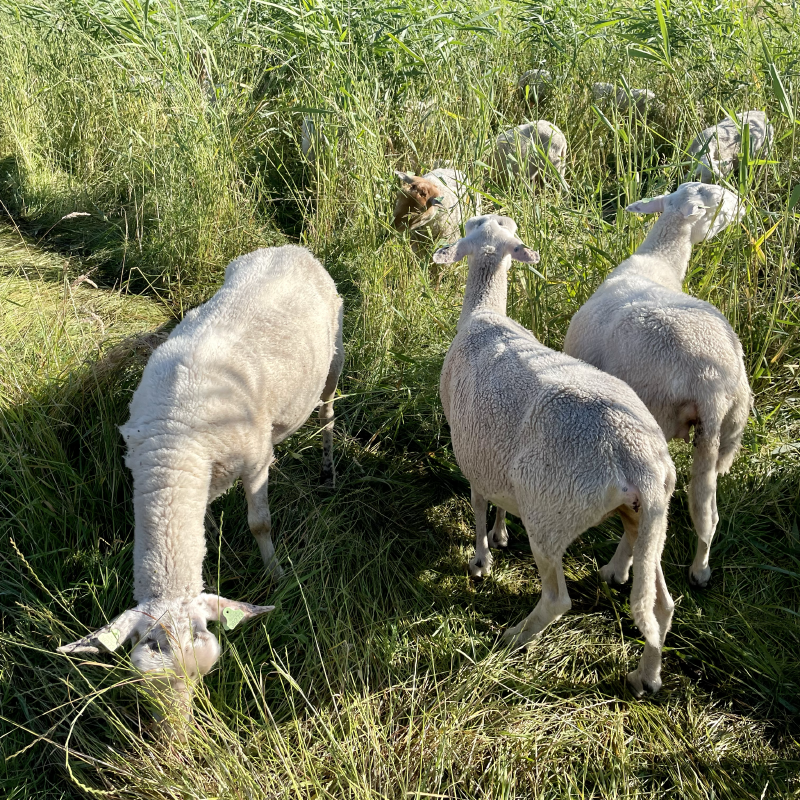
[707, 207]
[418, 202]
[172, 647]
[489, 234]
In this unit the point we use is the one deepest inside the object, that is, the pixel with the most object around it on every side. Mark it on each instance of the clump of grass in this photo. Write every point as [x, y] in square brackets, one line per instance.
[176, 129]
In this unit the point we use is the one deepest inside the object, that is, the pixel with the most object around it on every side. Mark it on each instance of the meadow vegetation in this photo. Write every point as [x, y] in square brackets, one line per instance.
[143, 144]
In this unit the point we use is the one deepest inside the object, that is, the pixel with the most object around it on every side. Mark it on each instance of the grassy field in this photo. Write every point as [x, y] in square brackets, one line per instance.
[144, 144]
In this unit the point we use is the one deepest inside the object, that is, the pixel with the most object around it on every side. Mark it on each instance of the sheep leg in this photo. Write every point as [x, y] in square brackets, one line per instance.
[703, 504]
[618, 569]
[498, 537]
[646, 678]
[259, 519]
[480, 565]
[553, 603]
[328, 471]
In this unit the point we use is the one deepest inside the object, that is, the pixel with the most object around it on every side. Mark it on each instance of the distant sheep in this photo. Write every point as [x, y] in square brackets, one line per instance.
[536, 84]
[643, 100]
[432, 206]
[526, 149]
[236, 377]
[553, 440]
[678, 353]
[715, 151]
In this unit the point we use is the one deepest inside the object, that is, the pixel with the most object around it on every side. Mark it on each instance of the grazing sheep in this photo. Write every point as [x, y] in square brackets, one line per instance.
[432, 206]
[715, 151]
[526, 149]
[553, 440]
[643, 99]
[536, 84]
[678, 353]
[236, 376]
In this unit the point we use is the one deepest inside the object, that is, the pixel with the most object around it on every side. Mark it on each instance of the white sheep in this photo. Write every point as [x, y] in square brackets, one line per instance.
[236, 377]
[553, 440]
[432, 206]
[715, 151]
[528, 148]
[678, 353]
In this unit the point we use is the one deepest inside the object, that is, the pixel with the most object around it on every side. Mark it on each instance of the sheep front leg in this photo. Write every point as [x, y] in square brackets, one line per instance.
[553, 603]
[480, 566]
[498, 538]
[326, 417]
[260, 521]
[646, 678]
[703, 504]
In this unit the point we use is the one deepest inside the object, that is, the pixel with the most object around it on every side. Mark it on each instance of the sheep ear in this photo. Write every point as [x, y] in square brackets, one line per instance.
[654, 205]
[109, 637]
[404, 177]
[451, 253]
[212, 607]
[525, 254]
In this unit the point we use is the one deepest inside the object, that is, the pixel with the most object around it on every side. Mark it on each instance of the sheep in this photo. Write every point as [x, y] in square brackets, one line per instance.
[237, 376]
[526, 148]
[536, 84]
[642, 99]
[432, 206]
[678, 353]
[715, 151]
[553, 440]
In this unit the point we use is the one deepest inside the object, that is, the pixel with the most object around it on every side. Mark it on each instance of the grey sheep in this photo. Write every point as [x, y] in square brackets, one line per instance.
[715, 151]
[527, 149]
[678, 353]
[553, 440]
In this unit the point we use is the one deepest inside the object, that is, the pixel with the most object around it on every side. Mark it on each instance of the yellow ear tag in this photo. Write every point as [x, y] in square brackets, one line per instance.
[231, 617]
[109, 639]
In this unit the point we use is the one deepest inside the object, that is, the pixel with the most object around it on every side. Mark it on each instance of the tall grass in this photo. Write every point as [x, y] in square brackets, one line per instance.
[174, 129]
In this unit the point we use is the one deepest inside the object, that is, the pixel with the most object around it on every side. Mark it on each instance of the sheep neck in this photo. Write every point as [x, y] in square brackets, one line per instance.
[169, 539]
[487, 285]
[664, 254]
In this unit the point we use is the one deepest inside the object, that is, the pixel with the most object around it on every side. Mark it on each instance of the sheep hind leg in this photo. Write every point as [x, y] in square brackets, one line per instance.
[498, 536]
[553, 603]
[703, 504]
[617, 570]
[327, 476]
[480, 565]
[646, 678]
[260, 521]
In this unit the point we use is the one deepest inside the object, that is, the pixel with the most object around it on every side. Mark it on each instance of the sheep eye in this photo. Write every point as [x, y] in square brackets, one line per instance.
[152, 644]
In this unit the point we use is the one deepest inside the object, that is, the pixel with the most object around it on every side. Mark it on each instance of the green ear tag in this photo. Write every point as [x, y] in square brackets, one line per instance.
[231, 617]
[109, 639]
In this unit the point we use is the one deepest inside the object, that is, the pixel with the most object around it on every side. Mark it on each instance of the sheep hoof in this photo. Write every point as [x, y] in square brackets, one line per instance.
[517, 638]
[640, 686]
[609, 575]
[499, 541]
[274, 570]
[700, 579]
[327, 478]
[480, 567]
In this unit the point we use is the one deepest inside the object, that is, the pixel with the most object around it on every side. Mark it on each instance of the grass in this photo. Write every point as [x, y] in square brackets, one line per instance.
[142, 145]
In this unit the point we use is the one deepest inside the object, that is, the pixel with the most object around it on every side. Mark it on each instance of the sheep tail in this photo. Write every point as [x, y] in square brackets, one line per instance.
[647, 558]
[732, 428]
